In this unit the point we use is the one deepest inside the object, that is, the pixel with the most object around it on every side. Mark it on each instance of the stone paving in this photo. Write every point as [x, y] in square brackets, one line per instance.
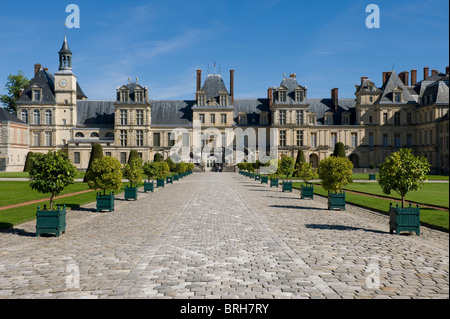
[222, 235]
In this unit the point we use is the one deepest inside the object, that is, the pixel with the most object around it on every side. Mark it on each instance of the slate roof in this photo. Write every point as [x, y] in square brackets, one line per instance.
[322, 106]
[290, 84]
[213, 85]
[253, 108]
[95, 113]
[172, 112]
[391, 83]
[5, 116]
[46, 82]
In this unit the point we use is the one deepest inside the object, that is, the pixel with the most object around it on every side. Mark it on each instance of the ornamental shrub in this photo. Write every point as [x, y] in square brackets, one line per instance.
[151, 169]
[28, 162]
[105, 174]
[339, 150]
[335, 172]
[133, 171]
[286, 166]
[96, 152]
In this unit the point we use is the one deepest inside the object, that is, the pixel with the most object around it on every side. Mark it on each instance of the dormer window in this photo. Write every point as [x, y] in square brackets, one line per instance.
[397, 97]
[201, 99]
[123, 96]
[223, 99]
[242, 118]
[329, 119]
[37, 94]
[346, 119]
[138, 96]
[298, 96]
[282, 96]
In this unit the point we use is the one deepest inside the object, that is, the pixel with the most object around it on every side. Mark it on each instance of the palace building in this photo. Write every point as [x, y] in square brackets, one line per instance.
[53, 113]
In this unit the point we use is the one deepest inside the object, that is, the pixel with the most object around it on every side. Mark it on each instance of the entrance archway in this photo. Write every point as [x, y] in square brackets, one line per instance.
[314, 160]
[355, 160]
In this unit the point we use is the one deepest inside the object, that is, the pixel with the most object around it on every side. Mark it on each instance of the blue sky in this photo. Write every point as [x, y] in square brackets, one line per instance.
[163, 43]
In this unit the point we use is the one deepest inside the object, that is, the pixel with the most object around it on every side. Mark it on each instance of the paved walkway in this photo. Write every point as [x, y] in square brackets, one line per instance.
[221, 235]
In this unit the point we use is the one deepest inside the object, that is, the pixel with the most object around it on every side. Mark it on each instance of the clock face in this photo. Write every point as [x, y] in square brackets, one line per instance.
[63, 83]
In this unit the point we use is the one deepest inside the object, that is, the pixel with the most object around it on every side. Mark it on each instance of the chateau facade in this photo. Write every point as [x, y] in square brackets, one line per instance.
[53, 113]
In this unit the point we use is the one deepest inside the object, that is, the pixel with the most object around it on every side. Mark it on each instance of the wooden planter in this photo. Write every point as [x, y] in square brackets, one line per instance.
[105, 202]
[175, 177]
[404, 219]
[169, 180]
[264, 179]
[257, 177]
[274, 182]
[160, 182]
[51, 221]
[287, 186]
[149, 187]
[131, 193]
[251, 175]
[336, 200]
[372, 177]
[307, 191]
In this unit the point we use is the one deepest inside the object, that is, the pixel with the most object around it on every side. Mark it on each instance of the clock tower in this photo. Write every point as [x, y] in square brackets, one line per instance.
[65, 95]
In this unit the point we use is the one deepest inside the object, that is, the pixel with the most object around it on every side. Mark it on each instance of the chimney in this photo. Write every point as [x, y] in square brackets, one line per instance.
[199, 79]
[334, 99]
[433, 72]
[384, 77]
[37, 67]
[404, 77]
[293, 76]
[425, 73]
[413, 77]
[232, 85]
[269, 96]
[363, 78]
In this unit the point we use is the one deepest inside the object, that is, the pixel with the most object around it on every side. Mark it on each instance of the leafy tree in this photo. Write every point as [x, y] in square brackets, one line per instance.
[51, 173]
[163, 170]
[157, 157]
[13, 87]
[286, 166]
[306, 172]
[28, 162]
[180, 168]
[96, 152]
[403, 172]
[105, 174]
[171, 163]
[339, 150]
[133, 171]
[335, 172]
[151, 169]
[133, 155]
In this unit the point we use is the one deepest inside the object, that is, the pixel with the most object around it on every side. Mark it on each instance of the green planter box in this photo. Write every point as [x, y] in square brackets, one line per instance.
[160, 183]
[274, 182]
[257, 177]
[175, 177]
[307, 191]
[169, 180]
[105, 202]
[336, 200]
[251, 175]
[404, 219]
[372, 177]
[131, 193]
[287, 186]
[149, 187]
[51, 221]
[264, 179]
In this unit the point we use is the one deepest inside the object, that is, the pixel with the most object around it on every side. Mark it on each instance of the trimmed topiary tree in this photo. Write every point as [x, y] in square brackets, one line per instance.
[96, 152]
[105, 174]
[163, 170]
[133, 156]
[335, 172]
[28, 162]
[51, 173]
[150, 169]
[339, 150]
[133, 171]
[157, 157]
[298, 162]
[171, 163]
[286, 166]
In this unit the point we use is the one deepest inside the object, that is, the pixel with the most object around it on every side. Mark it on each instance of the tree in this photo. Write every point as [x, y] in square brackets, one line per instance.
[133, 155]
[180, 168]
[299, 161]
[157, 157]
[335, 172]
[163, 170]
[286, 166]
[306, 172]
[105, 174]
[172, 165]
[96, 152]
[28, 162]
[133, 171]
[51, 173]
[403, 172]
[13, 86]
[151, 169]
[339, 150]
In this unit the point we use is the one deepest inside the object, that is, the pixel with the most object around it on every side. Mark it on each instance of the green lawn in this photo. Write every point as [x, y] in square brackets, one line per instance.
[437, 218]
[26, 175]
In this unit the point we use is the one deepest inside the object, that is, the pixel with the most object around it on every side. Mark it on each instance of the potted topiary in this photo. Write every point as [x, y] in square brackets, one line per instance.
[335, 172]
[306, 172]
[51, 173]
[163, 171]
[106, 175]
[133, 172]
[151, 171]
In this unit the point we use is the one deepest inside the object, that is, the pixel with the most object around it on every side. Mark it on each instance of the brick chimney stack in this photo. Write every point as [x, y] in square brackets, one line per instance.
[413, 77]
[404, 76]
[37, 67]
[232, 85]
[425, 73]
[384, 77]
[434, 71]
[335, 98]
[270, 96]
[199, 79]
[363, 78]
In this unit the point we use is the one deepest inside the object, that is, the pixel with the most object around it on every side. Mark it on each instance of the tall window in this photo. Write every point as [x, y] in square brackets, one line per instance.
[397, 97]
[139, 117]
[138, 96]
[409, 140]
[397, 118]
[48, 117]
[123, 138]
[397, 140]
[354, 138]
[298, 96]
[313, 139]
[329, 119]
[333, 139]
[409, 118]
[156, 139]
[123, 157]
[24, 116]
[123, 117]
[370, 139]
[48, 138]
[282, 117]
[299, 138]
[139, 138]
[76, 158]
[202, 118]
[385, 140]
[299, 117]
[123, 96]
[213, 118]
[385, 118]
[223, 118]
[36, 95]
[282, 138]
[282, 96]
[36, 138]
[36, 117]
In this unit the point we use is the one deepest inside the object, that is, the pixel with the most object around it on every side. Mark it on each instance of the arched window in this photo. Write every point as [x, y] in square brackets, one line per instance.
[36, 117]
[95, 134]
[79, 134]
[48, 117]
[110, 135]
[24, 116]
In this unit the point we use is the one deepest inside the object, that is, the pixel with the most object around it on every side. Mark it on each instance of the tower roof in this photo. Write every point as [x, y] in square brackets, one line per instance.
[65, 47]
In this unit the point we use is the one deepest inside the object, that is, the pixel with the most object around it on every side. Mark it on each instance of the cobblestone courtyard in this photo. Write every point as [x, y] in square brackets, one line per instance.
[221, 235]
